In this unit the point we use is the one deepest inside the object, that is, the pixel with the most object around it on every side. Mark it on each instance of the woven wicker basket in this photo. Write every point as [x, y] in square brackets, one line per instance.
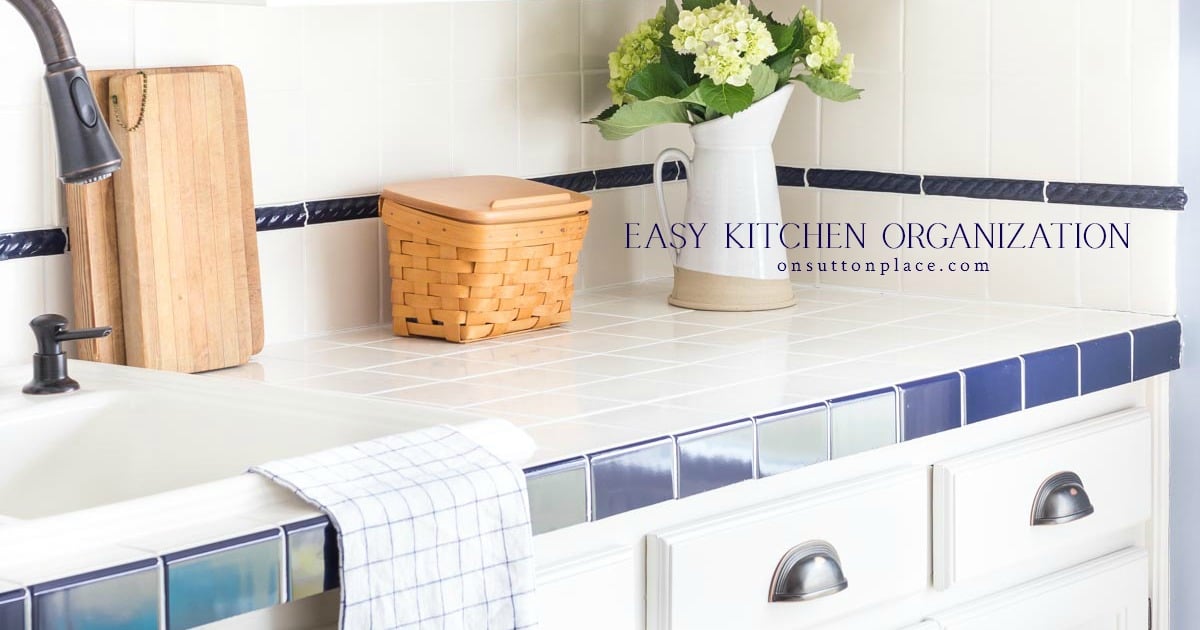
[464, 281]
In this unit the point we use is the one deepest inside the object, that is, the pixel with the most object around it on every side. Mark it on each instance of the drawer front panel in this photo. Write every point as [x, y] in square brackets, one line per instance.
[1110, 593]
[717, 573]
[983, 502]
[594, 592]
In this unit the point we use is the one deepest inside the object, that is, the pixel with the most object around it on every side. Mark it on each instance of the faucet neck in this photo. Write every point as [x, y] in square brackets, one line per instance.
[48, 27]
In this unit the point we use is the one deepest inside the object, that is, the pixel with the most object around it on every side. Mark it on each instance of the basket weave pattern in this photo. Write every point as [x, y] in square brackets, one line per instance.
[465, 282]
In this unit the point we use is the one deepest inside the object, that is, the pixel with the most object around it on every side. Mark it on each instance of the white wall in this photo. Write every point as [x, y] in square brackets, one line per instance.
[343, 100]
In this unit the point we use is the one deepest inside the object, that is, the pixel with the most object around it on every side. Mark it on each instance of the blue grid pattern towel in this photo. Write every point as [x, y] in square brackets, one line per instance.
[433, 529]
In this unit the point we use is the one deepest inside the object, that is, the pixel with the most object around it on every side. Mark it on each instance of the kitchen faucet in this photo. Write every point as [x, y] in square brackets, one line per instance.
[86, 151]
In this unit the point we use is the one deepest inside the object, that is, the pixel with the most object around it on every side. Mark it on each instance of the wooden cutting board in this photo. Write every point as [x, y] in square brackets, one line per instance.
[186, 242]
[92, 220]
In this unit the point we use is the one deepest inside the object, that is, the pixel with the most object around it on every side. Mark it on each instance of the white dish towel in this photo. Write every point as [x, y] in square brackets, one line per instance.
[433, 528]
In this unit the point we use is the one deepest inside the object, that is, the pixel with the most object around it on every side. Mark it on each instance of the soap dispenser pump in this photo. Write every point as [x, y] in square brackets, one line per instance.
[50, 364]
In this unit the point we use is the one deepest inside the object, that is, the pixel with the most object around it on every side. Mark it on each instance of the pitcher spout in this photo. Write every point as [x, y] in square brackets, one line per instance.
[753, 127]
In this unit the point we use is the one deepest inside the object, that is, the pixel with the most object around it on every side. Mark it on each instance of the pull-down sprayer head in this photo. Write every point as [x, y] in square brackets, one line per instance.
[86, 151]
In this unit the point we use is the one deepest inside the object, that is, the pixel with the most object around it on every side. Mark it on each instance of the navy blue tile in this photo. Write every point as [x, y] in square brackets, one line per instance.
[345, 209]
[792, 439]
[312, 550]
[224, 579]
[864, 180]
[862, 422]
[1051, 375]
[1156, 349]
[31, 243]
[715, 457]
[1105, 362]
[984, 188]
[125, 597]
[993, 389]
[12, 610]
[632, 477]
[931, 405]
[789, 176]
[623, 176]
[1117, 195]
[280, 217]
[583, 181]
[557, 494]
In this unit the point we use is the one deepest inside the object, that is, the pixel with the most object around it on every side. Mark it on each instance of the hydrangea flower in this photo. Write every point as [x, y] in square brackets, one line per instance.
[636, 50]
[726, 40]
[820, 53]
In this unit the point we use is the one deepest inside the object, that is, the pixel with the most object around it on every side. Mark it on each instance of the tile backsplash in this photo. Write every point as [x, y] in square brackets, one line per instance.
[343, 100]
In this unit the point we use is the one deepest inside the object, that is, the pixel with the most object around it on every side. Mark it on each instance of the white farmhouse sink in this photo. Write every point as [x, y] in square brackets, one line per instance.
[130, 433]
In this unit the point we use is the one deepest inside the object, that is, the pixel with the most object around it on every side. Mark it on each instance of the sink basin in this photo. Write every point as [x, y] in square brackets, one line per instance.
[130, 433]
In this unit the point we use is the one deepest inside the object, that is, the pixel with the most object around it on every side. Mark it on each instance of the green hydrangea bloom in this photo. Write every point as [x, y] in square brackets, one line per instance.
[820, 53]
[636, 50]
[726, 40]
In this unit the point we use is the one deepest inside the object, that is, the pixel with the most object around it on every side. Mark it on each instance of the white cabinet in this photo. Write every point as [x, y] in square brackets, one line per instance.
[983, 502]
[593, 592]
[1110, 593]
[716, 573]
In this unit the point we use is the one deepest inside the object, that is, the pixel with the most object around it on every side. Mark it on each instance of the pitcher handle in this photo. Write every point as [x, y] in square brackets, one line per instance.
[658, 188]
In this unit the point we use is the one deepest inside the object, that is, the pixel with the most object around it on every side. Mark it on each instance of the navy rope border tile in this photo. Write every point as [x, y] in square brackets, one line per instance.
[280, 217]
[869, 181]
[32, 243]
[345, 209]
[1117, 195]
[984, 188]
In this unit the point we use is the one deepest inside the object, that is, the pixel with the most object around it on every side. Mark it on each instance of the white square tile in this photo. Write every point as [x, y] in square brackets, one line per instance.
[1105, 88]
[659, 329]
[23, 65]
[1152, 248]
[596, 342]
[610, 365]
[59, 290]
[444, 368]
[342, 272]
[657, 263]
[593, 321]
[273, 370]
[277, 143]
[176, 34]
[554, 25]
[1047, 42]
[417, 136]
[937, 108]
[1105, 279]
[871, 29]
[262, 43]
[945, 37]
[452, 394]
[281, 262]
[558, 440]
[485, 40]
[550, 122]
[23, 280]
[358, 357]
[102, 31]
[598, 152]
[802, 206]
[678, 351]
[486, 125]
[341, 152]
[797, 143]
[639, 389]
[869, 213]
[21, 170]
[533, 379]
[865, 134]
[604, 22]
[360, 383]
[1040, 276]
[927, 211]
[299, 350]
[408, 33]
[670, 136]
[552, 406]
[520, 354]
[1155, 37]
[1035, 127]
[605, 258]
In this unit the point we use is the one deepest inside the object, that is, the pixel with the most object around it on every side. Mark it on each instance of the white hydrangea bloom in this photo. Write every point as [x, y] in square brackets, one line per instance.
[726, 40]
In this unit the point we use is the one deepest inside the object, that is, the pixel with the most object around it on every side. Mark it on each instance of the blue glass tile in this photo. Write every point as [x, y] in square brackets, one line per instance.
[12, 610]
[792, 439]
[120, 598]
[716, 457]
[1156, 349]
[1105, 362]
[931, 405]
[312, 548]
[1051, 375]
[557, 494]
[993, 389]
[862, 422]
[632, 477]
[218, 581]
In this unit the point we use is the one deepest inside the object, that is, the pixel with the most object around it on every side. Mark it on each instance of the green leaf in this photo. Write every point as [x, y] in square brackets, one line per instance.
[608, 112]
[670, 17]
[831, 90]
[634, 117]
[763, 81]
[656, 79]
[726, 99]
[781, 34]
[692, 5]
[682, 65]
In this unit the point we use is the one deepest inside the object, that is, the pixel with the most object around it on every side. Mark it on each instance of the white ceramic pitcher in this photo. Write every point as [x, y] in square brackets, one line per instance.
[730, 180]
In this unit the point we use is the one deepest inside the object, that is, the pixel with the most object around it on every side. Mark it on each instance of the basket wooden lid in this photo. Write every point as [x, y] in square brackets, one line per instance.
[489, 199]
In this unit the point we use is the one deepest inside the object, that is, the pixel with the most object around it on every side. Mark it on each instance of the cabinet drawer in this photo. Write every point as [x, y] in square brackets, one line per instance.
[1110, 593]
[718, 573]
[595, 592]
[983, 503]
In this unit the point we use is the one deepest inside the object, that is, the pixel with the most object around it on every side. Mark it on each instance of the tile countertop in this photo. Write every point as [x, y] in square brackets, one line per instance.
[629, 367]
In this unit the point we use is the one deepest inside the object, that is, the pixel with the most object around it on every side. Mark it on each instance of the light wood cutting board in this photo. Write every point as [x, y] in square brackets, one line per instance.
[186, 241]
[91, 211]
